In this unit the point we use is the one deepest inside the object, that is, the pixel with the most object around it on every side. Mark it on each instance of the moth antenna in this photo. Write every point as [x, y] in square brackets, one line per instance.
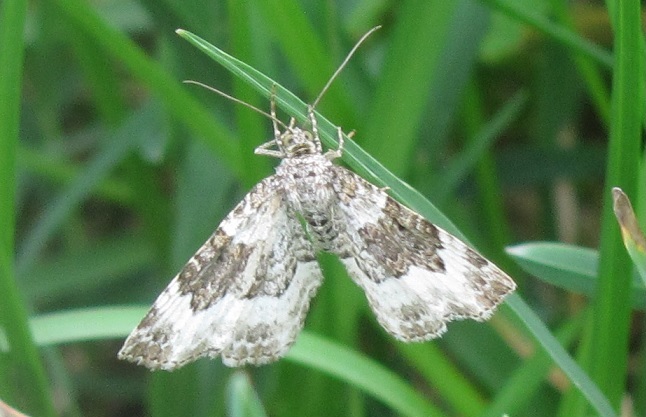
[343, 64]
[237, 100]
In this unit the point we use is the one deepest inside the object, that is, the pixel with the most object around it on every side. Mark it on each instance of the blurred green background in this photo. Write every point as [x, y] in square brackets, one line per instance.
[511, 121]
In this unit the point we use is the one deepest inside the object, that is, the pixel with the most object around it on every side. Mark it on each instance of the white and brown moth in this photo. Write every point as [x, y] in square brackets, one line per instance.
[244, 295]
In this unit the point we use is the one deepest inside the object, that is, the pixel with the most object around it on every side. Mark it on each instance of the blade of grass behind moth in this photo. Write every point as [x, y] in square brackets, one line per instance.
[96, 171]
[22, 374]
[521, 388]
[358, 159]
[307, 52]
[561, 357]
[331, 358]
[527, 15]
[242, 398]
[463, 164]
[611, 328]
[362, 372]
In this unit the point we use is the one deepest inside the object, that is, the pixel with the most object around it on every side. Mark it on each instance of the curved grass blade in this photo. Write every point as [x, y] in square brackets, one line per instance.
[561, 357]
[316, 352]
[82, 325]
[570, 267]
[568, 38]
[362, 372]
[242, 398]
[115, 150]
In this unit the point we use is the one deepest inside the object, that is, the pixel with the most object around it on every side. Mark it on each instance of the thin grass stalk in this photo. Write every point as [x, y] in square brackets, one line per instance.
[24, 379]
[612, 307]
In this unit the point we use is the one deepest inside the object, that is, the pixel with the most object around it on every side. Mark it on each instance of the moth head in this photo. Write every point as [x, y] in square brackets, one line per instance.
[296, 141]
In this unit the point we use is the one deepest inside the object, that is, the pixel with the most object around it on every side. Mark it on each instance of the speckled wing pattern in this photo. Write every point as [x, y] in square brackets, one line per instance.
[243, 295]
[416, 276]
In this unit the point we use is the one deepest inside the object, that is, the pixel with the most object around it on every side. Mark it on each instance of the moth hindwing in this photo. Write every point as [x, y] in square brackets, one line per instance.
[245, 293]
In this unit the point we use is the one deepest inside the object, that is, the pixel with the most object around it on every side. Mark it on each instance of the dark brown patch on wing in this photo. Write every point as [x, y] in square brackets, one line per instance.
[474, 258]
[209, 274]
[402, 238]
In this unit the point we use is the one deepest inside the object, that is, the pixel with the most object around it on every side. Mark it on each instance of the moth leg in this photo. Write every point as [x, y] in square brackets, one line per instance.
[315, 128]
[264, 149]
[333, 154]
[272, 112]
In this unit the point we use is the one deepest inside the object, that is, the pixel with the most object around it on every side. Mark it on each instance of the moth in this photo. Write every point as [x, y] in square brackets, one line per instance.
[245, 293]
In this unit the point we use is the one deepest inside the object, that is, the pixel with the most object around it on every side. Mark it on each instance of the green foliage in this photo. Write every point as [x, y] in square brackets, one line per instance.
[496, 112]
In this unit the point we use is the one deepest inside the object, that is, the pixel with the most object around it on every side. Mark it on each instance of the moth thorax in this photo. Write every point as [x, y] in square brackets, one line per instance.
[298, 142]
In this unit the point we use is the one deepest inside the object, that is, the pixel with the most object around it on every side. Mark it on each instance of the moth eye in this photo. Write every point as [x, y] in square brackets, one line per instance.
[308, 135]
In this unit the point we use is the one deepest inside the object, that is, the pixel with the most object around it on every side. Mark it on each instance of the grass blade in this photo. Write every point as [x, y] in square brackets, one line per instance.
[177, 100]
[242, 398]
[98, 169]
[553, 348]
[570, 39]
[358, 370]
[23, 377]
[611, 313]
[335, 360]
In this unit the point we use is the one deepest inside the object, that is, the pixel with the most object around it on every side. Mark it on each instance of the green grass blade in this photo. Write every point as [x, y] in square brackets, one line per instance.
[611, 313]
[465, 162]
[242, 398]
[87, 324]
[570, 267]
[410, 68]
[366, 374]
[23, 378]
[525, 14]
[559, 355]
[328, 357]
[174, 95]
[95, 173]
[573, 268]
